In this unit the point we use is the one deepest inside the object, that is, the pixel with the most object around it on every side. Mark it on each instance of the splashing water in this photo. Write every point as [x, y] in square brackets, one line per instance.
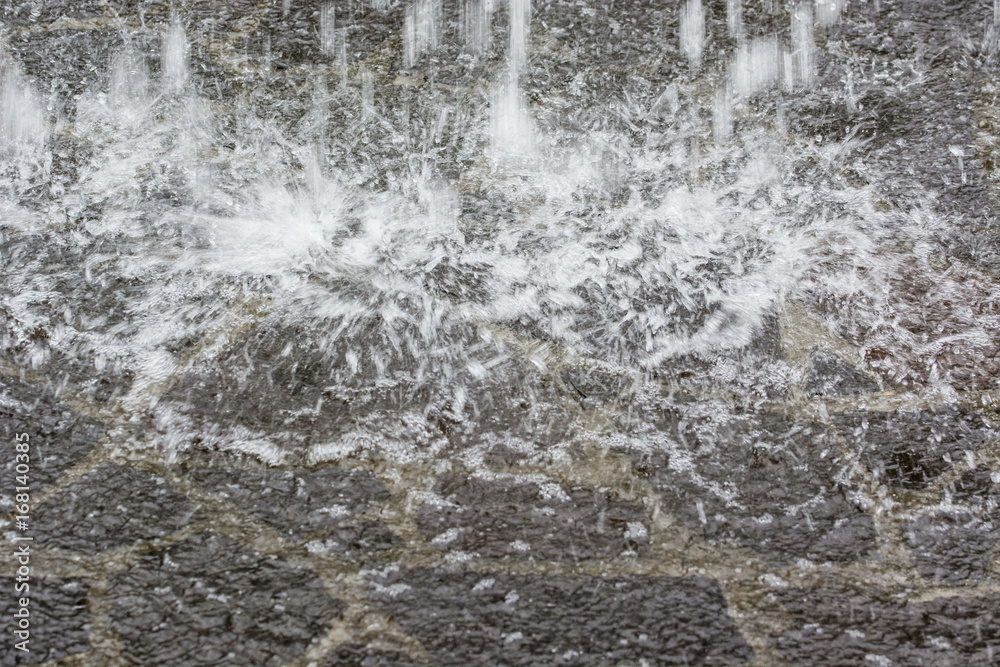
[401, 225]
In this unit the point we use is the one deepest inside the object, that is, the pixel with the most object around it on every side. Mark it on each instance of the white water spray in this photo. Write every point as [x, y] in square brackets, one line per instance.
[756, 66]
[734, 18]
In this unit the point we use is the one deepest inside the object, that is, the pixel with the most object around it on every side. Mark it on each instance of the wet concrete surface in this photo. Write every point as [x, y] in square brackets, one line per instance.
[226, 473]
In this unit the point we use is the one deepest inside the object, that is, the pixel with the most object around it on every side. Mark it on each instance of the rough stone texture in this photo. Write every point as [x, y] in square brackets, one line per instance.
[594, 386]
[333, 258]
[48, 11]
[829, 376]
[110, 507]
[951, 546]
[60, 620]
[211, 601]
[58, 437]
[357, 542]
[297, 503]
[768, 482]
[356, 654]
[910, 449]
[841, 627]
[567, 620]
[530, 520]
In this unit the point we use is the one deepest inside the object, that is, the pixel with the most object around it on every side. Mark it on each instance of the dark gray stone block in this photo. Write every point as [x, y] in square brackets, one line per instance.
[829, 376]
[768, 482]
[58, 438]
[58, 615]
[951, 546]
[110, 507]
[527, 520]
[357, 654]
[842, 627]
[297, 503]
[212, 601]
[910, 449]
[465, 618]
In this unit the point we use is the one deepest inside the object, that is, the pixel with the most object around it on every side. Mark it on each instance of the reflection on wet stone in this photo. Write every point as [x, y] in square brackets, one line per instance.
[297, 503]
[209, 601]
[59, 619]
[498, 518]
[910, 449]
[110, 507]
[505, 619]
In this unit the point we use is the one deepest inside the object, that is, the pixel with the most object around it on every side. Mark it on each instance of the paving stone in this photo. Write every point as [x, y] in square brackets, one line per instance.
[297, 503]
[295, 386]
[211, 601]
[512, 411]
[356, 654]
[768, 482]
[58, 437]
[951, 546]
[594, 386]
[357, 542]
[842, 627]
[284, 381]
[110, 507]
[66, 63]
[829, 376]
[908, 450]
[58, 616]
[294, 36]
[979, 488]
[503, 619]
[40, 12]
[497, 518]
